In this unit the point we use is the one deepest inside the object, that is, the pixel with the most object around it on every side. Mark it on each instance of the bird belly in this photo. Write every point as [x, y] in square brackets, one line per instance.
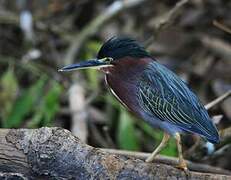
[155, 122]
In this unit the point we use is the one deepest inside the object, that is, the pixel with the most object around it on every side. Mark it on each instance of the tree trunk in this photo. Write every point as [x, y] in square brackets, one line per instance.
[54, 153]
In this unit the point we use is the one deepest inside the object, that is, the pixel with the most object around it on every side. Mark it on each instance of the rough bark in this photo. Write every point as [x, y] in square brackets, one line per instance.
[54, 153]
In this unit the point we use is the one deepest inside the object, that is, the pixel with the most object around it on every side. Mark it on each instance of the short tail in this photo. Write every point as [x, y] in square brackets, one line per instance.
[215, 139]
[210, 133]
[214, 135]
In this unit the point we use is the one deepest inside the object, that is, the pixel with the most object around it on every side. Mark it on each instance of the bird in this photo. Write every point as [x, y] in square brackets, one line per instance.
[152, 92]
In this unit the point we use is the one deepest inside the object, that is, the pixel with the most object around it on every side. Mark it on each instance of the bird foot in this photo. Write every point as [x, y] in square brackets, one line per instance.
[183, 166]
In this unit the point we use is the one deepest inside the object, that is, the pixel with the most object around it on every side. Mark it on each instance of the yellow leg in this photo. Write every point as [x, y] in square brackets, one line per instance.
[182, 163]
[159, 148]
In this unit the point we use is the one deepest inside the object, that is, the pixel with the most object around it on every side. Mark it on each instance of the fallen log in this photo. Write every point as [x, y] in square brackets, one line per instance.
[54, 153]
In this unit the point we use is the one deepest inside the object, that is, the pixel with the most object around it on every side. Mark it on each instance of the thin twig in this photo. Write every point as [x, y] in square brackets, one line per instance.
[170, 161]
[167, 18]
[217, 46]
[93, 27]
[223, 150]
[218, 100]
[221, 26]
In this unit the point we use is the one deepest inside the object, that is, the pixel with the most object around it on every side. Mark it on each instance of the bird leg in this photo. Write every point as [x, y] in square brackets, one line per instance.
[182, 164]
[159, 148]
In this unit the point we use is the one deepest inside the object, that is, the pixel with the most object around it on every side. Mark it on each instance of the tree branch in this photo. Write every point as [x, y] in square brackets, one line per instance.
[167, 18]
[217, 46]
[218, 100]
[55, 153]
[170, 161]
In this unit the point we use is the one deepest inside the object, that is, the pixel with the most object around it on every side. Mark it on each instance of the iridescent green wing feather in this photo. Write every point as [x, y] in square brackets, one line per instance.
[164, 95]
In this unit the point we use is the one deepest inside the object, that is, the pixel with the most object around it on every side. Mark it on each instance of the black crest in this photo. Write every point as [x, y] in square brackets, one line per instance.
[117, 48]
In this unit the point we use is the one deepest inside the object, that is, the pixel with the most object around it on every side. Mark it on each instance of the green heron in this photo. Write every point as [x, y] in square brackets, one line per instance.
[152, 92]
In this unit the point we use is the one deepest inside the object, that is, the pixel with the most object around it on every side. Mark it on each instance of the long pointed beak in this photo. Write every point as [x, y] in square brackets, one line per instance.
[93, 63]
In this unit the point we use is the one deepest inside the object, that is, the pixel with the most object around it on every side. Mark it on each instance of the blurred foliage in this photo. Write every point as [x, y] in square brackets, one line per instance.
[48, 106]
[8, 94]
[126, 135]
[24, 105]
[156, 134]
[39, 102]
[92, 48]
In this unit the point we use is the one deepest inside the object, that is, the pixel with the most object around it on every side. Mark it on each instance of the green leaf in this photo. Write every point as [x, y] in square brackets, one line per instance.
[51, 103]
[8, 93]
[24, 104]
[126, 132]
[48, 107]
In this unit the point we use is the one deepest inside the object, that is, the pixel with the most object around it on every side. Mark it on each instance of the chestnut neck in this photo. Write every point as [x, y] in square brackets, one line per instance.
[123, 79]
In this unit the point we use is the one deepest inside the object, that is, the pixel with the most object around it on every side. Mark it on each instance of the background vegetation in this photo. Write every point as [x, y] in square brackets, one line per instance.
[38, 37]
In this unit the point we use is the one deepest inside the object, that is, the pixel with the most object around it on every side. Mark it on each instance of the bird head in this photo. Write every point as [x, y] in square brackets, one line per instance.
[112, 52]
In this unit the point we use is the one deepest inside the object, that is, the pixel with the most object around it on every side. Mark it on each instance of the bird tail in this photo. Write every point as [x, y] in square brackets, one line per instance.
[215, 139]
[209, 132]
[213, 136]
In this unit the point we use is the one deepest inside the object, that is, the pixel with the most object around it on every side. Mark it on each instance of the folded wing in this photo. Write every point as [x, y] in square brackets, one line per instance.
[164, 95]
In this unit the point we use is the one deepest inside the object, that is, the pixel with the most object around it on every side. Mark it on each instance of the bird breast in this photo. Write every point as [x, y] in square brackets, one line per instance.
[123, 79]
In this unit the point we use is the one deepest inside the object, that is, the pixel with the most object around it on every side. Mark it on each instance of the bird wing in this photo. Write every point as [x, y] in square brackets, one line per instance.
[164, 95]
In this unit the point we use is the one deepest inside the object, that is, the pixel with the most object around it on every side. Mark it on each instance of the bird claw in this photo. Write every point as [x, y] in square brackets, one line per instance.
[183, 166]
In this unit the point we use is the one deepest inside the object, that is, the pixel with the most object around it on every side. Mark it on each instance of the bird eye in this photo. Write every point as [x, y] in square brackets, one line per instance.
[108, 59]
